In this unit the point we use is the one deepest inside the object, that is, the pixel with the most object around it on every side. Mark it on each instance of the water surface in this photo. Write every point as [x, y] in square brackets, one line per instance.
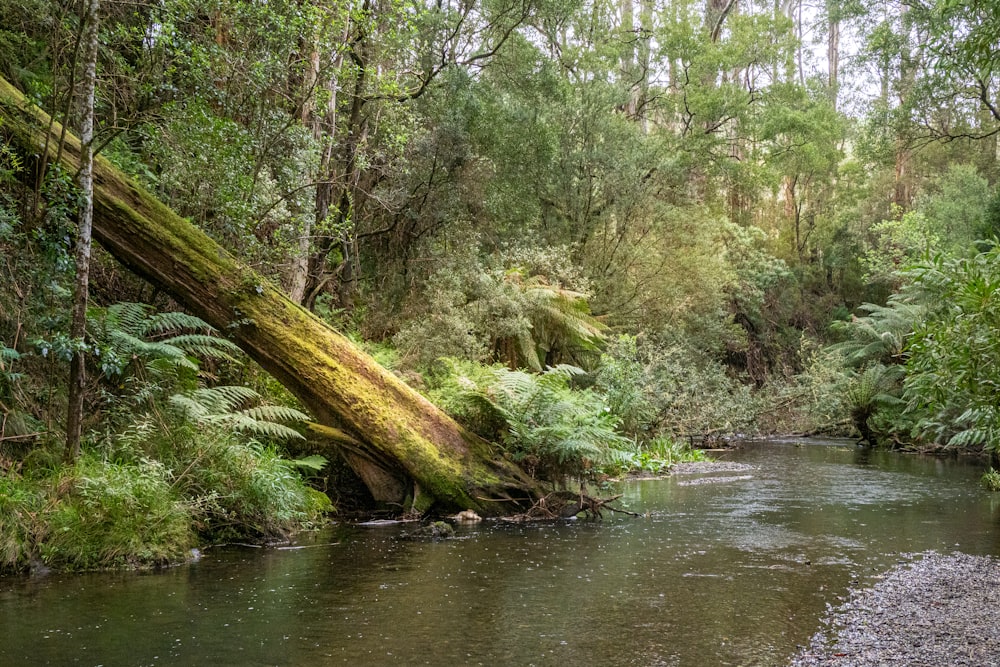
[733, 567]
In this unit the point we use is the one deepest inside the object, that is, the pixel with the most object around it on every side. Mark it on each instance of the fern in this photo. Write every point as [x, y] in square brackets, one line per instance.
[560, 322]
[239, 409]
[204, 345]
[8, 377]
[173, 321]
[314, 462]
[552, 428]
[880, 336]
[7, 355]
[166, 343]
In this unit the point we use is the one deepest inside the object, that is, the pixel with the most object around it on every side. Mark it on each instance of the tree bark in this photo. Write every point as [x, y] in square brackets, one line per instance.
[407, 450]
[85, 178]
[833, 49]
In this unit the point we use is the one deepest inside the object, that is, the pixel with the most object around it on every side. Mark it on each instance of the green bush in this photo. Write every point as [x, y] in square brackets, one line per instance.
[506, 310]
[235, 487]
[21, 502]
[108, 515]
[661, 387]
[551, 429]
[950, 384]
[623, 379]
[991, 480]
[241, 490]
[449, 382]
[656, 456]
[150, 493]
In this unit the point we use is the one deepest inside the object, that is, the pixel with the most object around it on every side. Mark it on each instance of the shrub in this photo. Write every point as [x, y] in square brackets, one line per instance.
[625, 382]
[241, 490]
[553, 430]
[116, 515]
[661, 387]
[991, 480]
[20, 505]
[236, 488]
[950, 385]
[449, 382]
[656, 456]
[505, 312]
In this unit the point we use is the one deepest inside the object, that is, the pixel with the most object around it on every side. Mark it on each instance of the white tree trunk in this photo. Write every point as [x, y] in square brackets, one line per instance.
[85, 179]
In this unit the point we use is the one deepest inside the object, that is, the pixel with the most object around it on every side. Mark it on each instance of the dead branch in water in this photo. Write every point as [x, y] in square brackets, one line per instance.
[566, 504]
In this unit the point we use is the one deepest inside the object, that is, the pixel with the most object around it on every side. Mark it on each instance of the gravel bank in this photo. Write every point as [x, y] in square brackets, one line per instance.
[938, 611]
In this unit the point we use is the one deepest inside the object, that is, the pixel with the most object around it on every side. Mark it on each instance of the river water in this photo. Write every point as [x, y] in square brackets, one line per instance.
[731, 567]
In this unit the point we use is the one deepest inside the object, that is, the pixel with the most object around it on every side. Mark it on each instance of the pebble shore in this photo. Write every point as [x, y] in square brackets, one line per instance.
[937, 611]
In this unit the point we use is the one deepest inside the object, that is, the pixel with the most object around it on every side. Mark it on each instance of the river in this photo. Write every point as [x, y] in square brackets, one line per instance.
[731, 567]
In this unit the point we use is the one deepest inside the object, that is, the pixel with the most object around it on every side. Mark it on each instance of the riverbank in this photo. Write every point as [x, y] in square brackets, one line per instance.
[936, 611]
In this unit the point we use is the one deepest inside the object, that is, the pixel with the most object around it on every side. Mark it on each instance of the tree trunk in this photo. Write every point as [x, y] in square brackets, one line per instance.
[78, 327]
[405, 449]
[833, 50]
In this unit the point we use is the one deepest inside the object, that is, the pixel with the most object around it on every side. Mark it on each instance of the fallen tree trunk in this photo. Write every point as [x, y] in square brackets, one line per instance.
[405, 449]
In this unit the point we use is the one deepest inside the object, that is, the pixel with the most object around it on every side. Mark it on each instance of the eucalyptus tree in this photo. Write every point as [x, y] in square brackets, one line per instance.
[90, 24]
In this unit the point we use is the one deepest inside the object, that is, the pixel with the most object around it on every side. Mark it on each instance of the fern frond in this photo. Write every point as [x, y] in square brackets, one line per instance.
[225, 398]
[527, 351]
[204, 345]
[174, 321]
[315, 462]
[127, 317]
[8, 354]
[275, 413]
[128, 345]
[881, 335]
[563, 317]
[189, 406]
[565, 370]
[227, 406]
[246, 425]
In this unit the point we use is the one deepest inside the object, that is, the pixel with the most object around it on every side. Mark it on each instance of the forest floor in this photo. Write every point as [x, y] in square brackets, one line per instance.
[939, 610]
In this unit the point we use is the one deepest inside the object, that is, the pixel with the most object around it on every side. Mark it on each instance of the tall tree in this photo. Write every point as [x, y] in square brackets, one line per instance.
[833, 20]
[89, 22]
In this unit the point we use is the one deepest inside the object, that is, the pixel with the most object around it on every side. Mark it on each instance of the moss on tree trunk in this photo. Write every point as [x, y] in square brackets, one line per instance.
[403, 447]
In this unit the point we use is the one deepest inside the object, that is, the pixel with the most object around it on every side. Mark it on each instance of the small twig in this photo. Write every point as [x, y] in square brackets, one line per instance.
[22, 437]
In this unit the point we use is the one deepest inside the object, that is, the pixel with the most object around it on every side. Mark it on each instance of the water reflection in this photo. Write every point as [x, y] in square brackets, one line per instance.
[735, 572]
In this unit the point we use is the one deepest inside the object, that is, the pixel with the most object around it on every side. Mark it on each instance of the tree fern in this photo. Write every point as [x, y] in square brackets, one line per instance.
[561, 324]
[873, 389]
[881, 335]
[551, 428]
